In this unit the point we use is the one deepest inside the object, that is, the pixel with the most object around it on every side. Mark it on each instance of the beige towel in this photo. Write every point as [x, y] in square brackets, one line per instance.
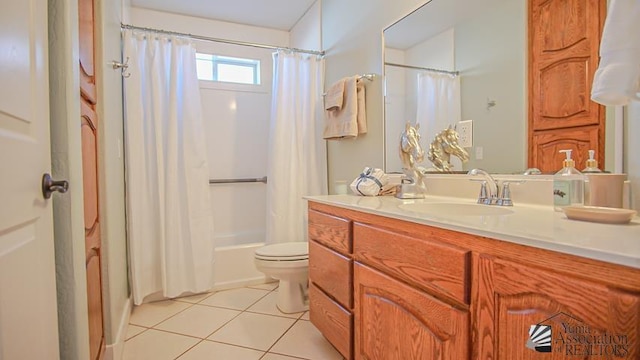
[362, 113]
[334, 98]
[350, 120]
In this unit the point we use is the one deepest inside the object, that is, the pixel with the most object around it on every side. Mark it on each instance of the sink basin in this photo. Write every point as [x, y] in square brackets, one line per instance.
[454, 209]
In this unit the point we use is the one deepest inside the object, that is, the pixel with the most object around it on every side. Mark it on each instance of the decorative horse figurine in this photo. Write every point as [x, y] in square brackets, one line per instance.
[443, 146]
[411, 153]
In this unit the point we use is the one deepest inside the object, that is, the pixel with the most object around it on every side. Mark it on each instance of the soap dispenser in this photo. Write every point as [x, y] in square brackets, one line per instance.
[592, 164]
[568, 184]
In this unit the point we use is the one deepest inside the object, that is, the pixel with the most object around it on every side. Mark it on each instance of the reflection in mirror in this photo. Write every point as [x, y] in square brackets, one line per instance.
[486, 42]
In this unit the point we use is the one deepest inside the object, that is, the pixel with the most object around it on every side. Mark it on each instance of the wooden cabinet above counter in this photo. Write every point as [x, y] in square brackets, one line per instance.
[396, 289]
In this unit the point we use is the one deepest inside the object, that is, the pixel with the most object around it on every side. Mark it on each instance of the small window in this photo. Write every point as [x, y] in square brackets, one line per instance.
[228, 69]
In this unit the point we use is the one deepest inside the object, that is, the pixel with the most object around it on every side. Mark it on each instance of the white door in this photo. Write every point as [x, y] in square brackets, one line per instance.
[28, 311]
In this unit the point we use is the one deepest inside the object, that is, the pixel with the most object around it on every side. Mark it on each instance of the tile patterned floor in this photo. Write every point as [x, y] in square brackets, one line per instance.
[238, 324]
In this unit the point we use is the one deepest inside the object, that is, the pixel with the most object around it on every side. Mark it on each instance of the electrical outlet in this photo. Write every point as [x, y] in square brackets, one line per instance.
[479, 153]
[465, 130]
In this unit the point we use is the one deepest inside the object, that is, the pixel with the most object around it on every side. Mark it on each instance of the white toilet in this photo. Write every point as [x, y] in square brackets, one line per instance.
[289, 263]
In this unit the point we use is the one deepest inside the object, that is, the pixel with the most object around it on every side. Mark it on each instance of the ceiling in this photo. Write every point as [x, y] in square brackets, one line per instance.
[275, 14]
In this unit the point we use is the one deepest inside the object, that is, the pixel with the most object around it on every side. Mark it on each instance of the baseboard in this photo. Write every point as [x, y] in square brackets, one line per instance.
[115, 351]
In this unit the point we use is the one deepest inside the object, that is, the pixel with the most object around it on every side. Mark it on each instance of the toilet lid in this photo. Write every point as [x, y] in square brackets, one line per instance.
[284, 251]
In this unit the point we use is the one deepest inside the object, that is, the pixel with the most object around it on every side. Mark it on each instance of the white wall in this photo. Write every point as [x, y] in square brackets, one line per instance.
[237, 126]
[632, 150]
[395, 92]
[306, 34]
[352, 39]
[490, 53]
[111, 175]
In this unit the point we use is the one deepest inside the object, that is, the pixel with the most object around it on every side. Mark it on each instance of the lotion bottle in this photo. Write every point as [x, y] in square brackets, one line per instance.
[592, 164]
[568, 185]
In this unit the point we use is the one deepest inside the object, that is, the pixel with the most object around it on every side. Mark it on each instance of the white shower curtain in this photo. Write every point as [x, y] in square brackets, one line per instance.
[169, 219]
[438, 105]
[297, 153]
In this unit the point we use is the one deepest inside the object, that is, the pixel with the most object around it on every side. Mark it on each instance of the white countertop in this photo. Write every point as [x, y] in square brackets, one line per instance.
[537, 226]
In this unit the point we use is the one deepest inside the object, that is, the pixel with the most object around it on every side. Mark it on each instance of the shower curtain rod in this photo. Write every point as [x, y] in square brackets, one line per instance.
[225, 41]
[455, 73]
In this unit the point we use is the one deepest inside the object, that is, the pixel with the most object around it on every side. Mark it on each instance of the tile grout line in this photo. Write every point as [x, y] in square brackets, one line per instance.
[145, 329]
[206, 338]
[240, 312]
[233, 318]
[165, 319]
[281, 336]
[189, 349]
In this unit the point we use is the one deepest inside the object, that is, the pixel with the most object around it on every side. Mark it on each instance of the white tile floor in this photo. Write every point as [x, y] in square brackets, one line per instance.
[238, 324]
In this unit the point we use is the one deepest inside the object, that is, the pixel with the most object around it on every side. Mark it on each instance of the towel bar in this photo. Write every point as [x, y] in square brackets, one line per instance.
[230, 181]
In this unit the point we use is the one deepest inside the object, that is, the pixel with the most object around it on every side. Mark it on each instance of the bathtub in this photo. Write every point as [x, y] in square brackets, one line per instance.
[234, 266]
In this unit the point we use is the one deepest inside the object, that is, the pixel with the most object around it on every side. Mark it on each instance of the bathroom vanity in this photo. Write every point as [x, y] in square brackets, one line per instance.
[390, 280]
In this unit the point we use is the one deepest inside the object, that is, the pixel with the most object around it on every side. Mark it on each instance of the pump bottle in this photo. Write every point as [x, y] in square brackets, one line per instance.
[592, 164]
[568, 185]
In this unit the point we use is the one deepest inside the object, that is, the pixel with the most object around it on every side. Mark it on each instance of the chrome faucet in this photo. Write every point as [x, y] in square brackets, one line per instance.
[490, 197]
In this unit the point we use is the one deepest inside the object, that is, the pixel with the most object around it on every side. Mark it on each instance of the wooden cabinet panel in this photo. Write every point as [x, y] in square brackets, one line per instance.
[333, 321]
[331, 272]
[564, 38]
[582, 316]
[94, 300]
[426, 264]
[556, 109]
[88, 131]
[90, 134]
[330, 231]
[547, 144]
[396, 322]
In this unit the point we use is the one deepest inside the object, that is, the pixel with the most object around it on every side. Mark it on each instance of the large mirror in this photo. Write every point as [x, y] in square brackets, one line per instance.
[486, 42]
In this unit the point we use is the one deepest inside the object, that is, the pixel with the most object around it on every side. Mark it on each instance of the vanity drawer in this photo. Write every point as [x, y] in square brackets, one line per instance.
[424, 263]
[332, 272]
[333, 321]
[331, 231]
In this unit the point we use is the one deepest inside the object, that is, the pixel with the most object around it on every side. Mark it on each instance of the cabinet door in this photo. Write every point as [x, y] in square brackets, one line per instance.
[396, 322]
[564, 38]
[530, 313]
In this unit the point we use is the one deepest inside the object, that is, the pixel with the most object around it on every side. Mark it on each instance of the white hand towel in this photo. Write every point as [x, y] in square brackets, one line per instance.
[334, 97]
[617, 80]
[370, 182]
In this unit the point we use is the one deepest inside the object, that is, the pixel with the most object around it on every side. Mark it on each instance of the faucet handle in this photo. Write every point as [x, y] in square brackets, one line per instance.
[483, 197]
[505, 194]
[505, 199]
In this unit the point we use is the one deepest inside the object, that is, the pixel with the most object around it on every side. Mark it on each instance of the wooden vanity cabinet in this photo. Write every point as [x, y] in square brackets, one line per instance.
[331, 279]
[588, 318]
[421, 292]
[411, 296]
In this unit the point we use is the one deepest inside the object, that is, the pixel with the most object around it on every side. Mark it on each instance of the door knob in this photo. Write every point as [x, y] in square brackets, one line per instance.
[49, 186]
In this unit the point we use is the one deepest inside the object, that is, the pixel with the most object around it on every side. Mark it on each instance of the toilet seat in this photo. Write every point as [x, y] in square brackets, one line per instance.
[291, 251]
